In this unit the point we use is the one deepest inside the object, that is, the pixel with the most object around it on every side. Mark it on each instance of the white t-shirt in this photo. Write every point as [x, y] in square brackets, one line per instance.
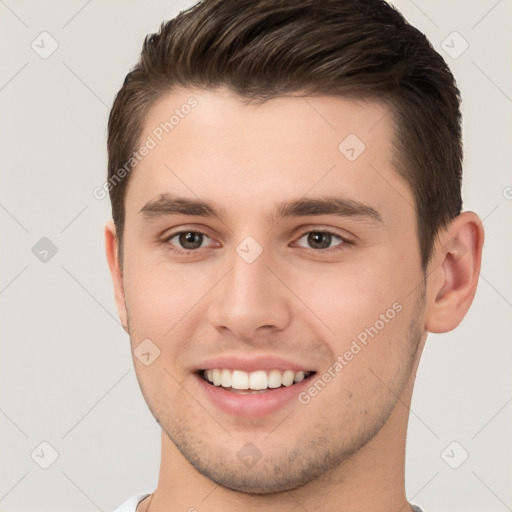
[131, 504]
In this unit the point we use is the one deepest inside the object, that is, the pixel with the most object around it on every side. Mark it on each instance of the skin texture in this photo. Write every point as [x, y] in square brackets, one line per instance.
[344, 449]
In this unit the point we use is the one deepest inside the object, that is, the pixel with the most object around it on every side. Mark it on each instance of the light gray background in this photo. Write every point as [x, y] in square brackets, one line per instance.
[65, 368]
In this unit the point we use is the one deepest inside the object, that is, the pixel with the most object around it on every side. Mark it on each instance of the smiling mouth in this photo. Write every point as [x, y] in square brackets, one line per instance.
[260, 381]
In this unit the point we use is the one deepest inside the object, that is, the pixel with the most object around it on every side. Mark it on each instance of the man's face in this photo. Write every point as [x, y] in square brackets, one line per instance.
[268, 283]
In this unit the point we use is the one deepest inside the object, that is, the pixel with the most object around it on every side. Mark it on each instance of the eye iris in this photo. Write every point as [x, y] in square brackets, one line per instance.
[319, 240]
[191, 240]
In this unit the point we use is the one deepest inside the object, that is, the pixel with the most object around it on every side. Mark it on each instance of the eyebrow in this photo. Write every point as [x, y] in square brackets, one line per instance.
[168, 204]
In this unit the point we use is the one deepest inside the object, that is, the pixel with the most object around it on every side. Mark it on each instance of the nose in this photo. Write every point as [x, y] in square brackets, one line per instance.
[250, 300]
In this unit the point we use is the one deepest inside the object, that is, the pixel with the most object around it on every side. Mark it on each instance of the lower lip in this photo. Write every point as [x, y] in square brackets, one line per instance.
[251, 404]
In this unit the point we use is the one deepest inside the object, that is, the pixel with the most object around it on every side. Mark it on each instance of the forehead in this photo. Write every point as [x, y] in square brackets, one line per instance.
[213, 145]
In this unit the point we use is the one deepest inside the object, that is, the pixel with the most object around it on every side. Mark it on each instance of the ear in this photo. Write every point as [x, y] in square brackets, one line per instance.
[454, 272]
[116, 273]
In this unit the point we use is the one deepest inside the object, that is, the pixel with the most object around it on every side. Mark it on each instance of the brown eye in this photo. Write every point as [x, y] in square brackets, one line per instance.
[320, 240]
[188, 240]
[191, 240]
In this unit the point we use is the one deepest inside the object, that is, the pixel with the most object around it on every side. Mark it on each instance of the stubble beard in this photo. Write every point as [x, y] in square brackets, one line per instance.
[324, 451]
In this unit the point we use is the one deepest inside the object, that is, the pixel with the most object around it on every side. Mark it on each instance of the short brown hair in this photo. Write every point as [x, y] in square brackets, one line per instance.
[262, 49]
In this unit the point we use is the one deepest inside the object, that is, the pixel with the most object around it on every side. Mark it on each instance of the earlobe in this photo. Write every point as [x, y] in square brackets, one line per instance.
[111, 242]
[455, 271]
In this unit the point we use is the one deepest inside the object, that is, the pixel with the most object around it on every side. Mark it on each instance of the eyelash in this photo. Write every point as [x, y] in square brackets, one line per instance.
[339, 247]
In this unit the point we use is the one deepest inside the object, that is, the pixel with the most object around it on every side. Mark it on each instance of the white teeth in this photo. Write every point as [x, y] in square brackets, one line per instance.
[225, 381]
[299, 377]
[287, 378]
[239, 380]
[217, 377]
[258, 380]
[274, 379]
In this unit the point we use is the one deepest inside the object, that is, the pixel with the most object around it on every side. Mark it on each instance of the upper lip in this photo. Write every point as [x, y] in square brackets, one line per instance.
[252, 364]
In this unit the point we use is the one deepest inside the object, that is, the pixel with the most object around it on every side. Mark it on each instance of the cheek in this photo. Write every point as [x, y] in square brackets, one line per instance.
[368, 309]
[349, 299]
[160, 295]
